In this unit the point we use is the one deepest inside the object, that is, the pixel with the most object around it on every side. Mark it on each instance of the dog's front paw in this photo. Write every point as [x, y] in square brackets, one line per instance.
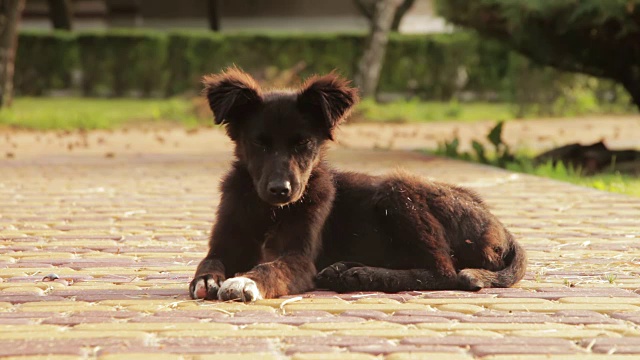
[240, 289]
[205, 287]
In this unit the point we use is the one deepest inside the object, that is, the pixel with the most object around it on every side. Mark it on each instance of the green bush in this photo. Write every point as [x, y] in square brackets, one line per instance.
[192, 54]
[593, 37]
[45, 61]
[537, 90]
[119, 62]
[425, 65]
[429, 67]
[188, 52]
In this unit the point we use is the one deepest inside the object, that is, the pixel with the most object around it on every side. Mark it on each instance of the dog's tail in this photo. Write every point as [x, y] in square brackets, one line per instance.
[516, 266]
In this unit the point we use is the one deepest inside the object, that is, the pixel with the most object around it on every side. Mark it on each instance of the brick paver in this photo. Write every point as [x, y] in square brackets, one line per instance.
[98, 244]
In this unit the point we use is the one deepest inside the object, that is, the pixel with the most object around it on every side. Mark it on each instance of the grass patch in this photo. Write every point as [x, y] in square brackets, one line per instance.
[612, 182]
[96, 113]
[408, 111]
[90, 113]
[421, 111]
[67, 113]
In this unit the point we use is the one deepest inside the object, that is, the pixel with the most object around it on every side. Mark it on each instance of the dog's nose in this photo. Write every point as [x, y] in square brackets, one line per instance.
[280, 188]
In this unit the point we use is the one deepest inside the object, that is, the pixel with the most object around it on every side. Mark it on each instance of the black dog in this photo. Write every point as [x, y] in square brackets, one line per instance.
[285, 213]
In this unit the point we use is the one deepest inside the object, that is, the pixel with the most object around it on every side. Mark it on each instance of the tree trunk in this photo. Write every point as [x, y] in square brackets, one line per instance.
[370, 65]
[402, 10]
[367, 8]
[60, 14]
[632, 85]
[213, 13]
[10, 11]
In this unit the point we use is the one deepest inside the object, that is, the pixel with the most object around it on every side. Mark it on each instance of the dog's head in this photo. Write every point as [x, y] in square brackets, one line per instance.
[279, 135]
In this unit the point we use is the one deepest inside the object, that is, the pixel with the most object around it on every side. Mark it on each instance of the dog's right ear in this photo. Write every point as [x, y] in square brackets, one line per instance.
[231, 94]
[330, 97]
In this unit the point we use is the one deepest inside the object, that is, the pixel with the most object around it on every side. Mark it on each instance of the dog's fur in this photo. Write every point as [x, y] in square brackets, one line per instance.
[284, 213]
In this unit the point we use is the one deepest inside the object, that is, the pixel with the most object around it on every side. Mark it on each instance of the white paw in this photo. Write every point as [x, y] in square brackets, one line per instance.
[239, 288]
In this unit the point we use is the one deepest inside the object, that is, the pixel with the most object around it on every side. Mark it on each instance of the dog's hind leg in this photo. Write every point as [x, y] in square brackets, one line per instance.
[344, 277]
[417, 253]
[513, 270]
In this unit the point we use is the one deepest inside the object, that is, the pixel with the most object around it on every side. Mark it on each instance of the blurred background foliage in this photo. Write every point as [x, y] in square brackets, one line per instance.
[457, 66]
[101, 64]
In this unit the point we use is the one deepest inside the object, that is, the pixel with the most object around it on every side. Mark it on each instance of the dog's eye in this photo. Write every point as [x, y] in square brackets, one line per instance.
[303, 143]
[260, 143]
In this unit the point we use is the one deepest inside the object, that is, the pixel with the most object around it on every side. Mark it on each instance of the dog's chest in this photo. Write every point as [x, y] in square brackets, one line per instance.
[271, 245]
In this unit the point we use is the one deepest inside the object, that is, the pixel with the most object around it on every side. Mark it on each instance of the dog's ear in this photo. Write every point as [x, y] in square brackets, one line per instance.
[329, 97]
[231, 94]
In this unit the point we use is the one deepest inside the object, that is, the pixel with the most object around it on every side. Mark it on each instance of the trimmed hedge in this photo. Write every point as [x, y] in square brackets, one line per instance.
[120, 62]
[192, 54]
[45, 61]
[420, 64]
[425, 65]
[151, 63]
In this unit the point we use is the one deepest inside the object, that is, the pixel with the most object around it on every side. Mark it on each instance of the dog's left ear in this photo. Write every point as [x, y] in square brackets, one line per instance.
[329, 97]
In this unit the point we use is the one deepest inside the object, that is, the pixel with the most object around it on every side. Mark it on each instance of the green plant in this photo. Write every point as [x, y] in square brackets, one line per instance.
[502, 153]
[611, 278]
[450, 148]
[480, 152]
[504, 157]
[501, 156]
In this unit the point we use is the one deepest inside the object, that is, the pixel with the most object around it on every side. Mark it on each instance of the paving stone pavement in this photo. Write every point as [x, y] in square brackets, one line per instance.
[122, 220]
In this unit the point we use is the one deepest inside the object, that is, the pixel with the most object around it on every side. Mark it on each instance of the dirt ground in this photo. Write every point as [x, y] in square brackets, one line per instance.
[535, 135]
